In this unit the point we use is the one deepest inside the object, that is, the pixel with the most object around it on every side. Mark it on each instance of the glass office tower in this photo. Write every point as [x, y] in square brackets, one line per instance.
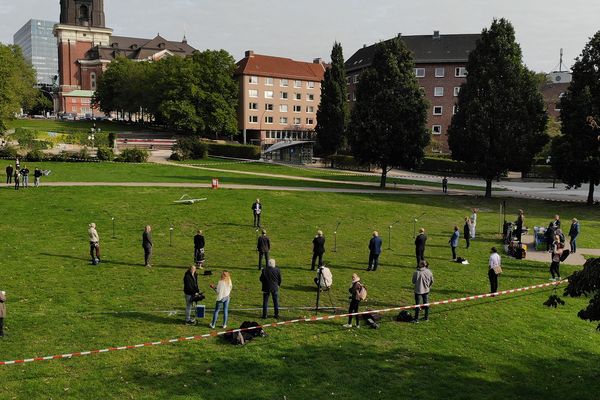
[39, 48]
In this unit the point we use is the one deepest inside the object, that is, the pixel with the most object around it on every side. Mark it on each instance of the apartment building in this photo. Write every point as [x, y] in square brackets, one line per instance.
[440, 66]
[557, 84]
[278, 104]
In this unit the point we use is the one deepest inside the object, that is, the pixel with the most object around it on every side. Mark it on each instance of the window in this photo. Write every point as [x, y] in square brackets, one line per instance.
[297, 121]
[297, 96]
[297, 109]
[309, 121]
[460, 72]
[297, 84]
[268, 119]
[456, 91]
[420, 72]
[440, 72]
[310, 109]
[283, 120]
[253, 119]
[283, 95]
[253, 106]
[436, 129]
[283, 83]
[356, 78]
[437, 110]
[353, 96]
[253, 93]
[268, 94]
[283, 108]
[438, 91]
[269, 81]
[253, 80]
[454, 108]
[310, 97]
[310, 85]
[93, 81]
[347, 80]
[269, 107]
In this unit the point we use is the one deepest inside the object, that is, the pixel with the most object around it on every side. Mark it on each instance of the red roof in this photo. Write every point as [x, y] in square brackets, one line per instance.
[279, 67]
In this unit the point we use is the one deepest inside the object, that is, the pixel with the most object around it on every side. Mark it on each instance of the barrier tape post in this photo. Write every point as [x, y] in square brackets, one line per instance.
[276, 324]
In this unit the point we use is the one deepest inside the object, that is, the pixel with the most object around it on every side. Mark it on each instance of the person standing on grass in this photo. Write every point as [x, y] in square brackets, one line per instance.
[355, 288]
[423, 280]
[318, 249]
[473, 221]
[493, 270]
[573, 233]
[445, 185]
[263, 246]
[270, 278]
[17, 178]
[37, 175]
[190, 291]
[199, 249]
[223, 290]
[420, 242]
[519, 223]
[2, 311]
[9, 174]
[94, 243]
[454, 241]
[147, 245]
[374, 251]
[256, 211]
[467, 231]
[25, 174]
[557, 250]
[17, 164]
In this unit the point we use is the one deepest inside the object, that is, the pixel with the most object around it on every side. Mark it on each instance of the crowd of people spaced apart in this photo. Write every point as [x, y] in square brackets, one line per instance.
[19, 176]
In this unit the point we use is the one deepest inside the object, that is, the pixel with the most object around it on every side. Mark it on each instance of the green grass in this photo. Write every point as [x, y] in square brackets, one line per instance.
[53, 125]
[508, 347]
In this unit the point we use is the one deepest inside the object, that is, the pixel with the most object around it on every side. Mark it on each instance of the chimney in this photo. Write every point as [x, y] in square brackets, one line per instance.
[184, 41]
[318, 61]
[436, 34]
[400, 34]
[364, 46]
[249, 53]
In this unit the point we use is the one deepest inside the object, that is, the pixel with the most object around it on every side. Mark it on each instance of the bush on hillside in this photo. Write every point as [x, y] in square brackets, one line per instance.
[133, 156]
[189, 148]
[35, 155]
[8, 152]
[345, 162]
[105, 154]
[234, 150]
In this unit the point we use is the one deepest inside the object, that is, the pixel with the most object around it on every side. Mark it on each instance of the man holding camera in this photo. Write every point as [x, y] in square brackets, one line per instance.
[191, 292]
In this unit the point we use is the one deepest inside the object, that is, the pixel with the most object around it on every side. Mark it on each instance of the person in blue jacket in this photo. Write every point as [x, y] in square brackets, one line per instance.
[374, 251]
[454, 242]
[573, 233]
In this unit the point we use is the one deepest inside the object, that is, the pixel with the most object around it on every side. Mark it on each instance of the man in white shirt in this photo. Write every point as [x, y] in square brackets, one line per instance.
[494, 266]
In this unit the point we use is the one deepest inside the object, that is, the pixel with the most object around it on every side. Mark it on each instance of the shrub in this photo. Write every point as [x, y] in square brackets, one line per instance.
[133, 156]
[35, 155]
[439, 164]
[234, 150]
[540, 171]
[189, 148]
[105, 154]
[345, 162]
[8, 152]
[84, 154]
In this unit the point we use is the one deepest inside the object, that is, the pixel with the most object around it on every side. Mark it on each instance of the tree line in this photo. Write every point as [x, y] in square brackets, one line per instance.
[195, 94]
[500, 123]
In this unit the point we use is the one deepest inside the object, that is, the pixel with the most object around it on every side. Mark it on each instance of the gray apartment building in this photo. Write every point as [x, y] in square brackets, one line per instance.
[38, 43]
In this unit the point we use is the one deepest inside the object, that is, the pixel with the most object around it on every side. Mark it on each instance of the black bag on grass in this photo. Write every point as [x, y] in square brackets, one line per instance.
[404, 316]
[241, 338]
[371, 320]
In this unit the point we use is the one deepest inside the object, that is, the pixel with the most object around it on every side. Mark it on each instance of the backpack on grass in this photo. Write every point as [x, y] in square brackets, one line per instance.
[243, 337]
[404, 316]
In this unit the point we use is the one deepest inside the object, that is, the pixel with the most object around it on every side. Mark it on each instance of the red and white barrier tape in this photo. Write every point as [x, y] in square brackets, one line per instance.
[276, 324]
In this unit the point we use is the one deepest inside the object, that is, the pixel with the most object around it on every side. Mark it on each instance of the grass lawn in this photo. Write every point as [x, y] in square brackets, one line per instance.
[54, 125]
[508, 347]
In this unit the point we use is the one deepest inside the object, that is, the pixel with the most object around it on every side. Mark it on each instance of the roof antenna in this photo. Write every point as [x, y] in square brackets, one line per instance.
[561, 61]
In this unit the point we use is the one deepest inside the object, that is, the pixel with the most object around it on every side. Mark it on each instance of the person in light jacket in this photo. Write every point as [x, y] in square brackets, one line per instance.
[94, 243]
[2, 311]
[495, 261]
[454, 241]
[473, 222]
[223, 290]
[354, 290]
[423, 280]
[573, 233]
[147, 245]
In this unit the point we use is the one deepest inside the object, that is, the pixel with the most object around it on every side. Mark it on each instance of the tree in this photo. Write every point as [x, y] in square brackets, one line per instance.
[576, 154]
[500, 122]
[333, 114]
[389, 117]
[42, 103]
[17, 80]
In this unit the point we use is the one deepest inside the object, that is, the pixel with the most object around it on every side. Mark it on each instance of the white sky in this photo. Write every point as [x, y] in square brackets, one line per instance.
[306, 29]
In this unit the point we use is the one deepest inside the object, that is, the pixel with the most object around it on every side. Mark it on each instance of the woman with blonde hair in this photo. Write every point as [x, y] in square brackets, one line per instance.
[223, 290]
[355, 300]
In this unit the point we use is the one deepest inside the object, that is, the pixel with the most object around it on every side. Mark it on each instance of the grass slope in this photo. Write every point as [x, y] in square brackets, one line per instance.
[506, 347]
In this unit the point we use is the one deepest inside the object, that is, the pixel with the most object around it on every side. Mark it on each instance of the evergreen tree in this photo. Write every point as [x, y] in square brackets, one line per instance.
[333, 115]
[500, 123]
[576, 154]
[389, 117]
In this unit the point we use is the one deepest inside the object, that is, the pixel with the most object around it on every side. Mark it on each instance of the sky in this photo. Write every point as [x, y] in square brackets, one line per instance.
[306, 29]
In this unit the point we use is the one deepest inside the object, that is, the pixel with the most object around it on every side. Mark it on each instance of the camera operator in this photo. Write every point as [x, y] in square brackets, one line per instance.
[191, 292]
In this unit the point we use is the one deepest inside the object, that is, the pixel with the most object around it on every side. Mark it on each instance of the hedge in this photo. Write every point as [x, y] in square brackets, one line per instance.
[234, 150]
[345, 162]
[437, 164]
[540, 171]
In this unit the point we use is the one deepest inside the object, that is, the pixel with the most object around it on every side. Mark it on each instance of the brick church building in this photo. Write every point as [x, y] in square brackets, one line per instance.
[86, 47]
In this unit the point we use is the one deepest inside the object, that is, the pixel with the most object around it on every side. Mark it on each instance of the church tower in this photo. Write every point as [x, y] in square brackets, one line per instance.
[81, 28]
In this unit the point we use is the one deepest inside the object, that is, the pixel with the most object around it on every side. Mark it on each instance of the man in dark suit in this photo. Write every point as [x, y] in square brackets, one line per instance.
[199, 249]
[9, 174]
[257, 210]
[318, 249]
[270, 278]
[420, 241]
[374, 251]
[263, 246]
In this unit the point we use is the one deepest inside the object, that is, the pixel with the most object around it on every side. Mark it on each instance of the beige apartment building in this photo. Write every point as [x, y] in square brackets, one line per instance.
[278, 105]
